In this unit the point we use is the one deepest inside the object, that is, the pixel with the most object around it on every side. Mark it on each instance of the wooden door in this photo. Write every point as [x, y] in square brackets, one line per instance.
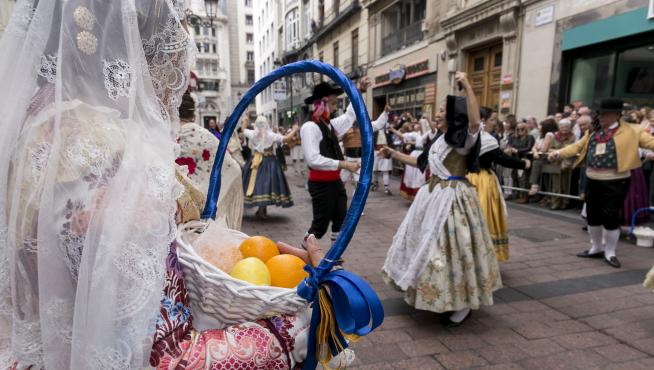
[485, 73]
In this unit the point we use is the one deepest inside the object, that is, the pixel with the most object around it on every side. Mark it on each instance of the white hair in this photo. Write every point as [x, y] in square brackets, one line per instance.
[564, 122]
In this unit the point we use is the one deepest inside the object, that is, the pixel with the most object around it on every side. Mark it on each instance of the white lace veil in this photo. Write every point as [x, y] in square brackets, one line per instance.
[90, 90]
[264, 137]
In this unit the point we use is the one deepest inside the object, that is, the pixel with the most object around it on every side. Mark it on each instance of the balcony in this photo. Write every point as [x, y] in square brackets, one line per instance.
[332, 20]
[402, 38]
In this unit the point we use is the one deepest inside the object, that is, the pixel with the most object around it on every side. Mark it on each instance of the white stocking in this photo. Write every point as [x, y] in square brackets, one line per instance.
[611, 237]
[595, 233]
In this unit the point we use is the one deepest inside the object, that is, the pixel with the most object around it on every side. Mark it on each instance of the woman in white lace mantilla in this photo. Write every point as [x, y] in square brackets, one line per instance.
[442, 255]
[87, 202]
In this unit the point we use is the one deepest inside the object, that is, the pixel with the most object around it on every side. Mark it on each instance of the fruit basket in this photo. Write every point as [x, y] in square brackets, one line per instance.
[344, 305]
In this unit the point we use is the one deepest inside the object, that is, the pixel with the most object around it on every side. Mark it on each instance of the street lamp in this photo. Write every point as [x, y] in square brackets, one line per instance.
[211, 7]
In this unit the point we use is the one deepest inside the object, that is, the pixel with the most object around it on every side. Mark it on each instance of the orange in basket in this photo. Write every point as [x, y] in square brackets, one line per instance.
[286, 271]
[260, 247]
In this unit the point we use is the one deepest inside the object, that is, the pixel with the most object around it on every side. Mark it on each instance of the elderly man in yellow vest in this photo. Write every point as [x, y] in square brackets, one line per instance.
[609, 151]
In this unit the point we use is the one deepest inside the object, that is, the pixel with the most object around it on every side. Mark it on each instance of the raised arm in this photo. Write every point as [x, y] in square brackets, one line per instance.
[471, 100]
[343, 123]
[382, 120]
[288, 137]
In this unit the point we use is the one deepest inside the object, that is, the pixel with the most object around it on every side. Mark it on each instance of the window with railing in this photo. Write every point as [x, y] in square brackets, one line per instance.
[249, 38]
[336, 52]
[248, 20]
[402, 25]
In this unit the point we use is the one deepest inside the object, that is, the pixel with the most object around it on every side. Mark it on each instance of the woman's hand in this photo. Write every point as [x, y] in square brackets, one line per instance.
[313, 255]
[527, 163]
[387, 152]
[462, 79]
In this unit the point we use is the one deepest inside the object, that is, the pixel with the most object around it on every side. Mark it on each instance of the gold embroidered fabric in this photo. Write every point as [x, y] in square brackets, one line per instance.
[191, 203]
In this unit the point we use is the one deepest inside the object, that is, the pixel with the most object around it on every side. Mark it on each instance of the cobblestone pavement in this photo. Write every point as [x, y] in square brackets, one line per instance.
[555, 312]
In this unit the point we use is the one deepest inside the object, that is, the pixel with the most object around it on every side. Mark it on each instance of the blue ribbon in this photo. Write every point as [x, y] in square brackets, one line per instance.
[453, 178]
[357, 309]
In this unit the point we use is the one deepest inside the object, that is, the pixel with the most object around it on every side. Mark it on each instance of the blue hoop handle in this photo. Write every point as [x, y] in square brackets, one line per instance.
[361, 194]
[633, 218]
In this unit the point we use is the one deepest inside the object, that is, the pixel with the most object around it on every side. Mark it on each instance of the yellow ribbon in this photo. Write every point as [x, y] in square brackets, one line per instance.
[326, 331]
[256, 162]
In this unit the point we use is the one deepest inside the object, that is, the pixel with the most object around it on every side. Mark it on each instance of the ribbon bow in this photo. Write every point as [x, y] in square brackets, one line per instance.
[344, 307]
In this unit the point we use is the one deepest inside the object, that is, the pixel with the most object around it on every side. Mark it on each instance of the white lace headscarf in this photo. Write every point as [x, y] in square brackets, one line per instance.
[264, 137]
[90, 90]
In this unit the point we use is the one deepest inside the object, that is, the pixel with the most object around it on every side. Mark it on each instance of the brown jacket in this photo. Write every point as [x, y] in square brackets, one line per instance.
[627, 139]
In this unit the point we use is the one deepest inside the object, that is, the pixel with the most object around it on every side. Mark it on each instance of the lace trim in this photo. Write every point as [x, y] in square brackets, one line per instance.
[117, 78]
[59, 316]
[39, 159]
[48, 67]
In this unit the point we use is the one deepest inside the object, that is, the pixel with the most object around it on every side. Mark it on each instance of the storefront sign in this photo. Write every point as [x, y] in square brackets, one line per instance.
[279, 90]
[544, 16]
[396, 74]
[399, 73]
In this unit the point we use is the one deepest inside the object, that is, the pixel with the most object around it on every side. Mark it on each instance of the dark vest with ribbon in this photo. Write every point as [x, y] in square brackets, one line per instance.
[329, 146]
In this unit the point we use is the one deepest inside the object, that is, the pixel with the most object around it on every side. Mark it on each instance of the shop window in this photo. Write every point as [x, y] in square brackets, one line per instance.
[591, 78]
[635, 73]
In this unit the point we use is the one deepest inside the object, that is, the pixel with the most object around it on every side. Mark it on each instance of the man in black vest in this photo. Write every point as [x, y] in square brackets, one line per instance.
[324, 157]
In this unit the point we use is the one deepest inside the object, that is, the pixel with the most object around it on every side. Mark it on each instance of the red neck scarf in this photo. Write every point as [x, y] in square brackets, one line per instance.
[321, 111]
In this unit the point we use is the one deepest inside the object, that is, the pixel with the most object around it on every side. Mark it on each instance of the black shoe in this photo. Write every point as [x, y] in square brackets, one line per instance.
[613, 262]
[585, 254]
[585, 228]
[446, 322]
[387, 191]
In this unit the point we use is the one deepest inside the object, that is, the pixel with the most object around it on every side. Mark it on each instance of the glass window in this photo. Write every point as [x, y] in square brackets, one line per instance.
[250, 56]
[251, 76]
[635, 73]
[248, 20]
[249, 38]
[213, 31]
[206, 47]
[591, 78]
[248, 3]
[498, 59]
[213, 48]
[336, 51]
[479, 63]
[292, 29]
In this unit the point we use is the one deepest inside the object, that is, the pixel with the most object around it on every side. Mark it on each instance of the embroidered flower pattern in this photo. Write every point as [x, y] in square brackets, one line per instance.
[188, 162]
[206, 155]
[73, 234]
[48, 67]
[87, 42]
[117, 78]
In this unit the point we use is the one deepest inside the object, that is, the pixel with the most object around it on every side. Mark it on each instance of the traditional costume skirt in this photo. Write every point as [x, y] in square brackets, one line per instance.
[264, 182]
[494, 210]
[442, 255]
[412, 179]
[637, 197]
[382, 164]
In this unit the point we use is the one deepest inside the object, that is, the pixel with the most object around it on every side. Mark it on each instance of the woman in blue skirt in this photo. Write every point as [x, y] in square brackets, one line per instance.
[264, 182]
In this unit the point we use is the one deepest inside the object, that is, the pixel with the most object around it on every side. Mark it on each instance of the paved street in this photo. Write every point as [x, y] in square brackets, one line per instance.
[555, 312]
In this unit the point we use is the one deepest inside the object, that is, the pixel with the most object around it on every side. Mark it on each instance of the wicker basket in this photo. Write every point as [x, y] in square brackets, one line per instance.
[217, 299]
